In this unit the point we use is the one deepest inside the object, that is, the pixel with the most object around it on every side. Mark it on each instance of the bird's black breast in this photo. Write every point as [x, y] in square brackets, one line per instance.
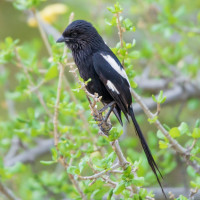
[86, 69]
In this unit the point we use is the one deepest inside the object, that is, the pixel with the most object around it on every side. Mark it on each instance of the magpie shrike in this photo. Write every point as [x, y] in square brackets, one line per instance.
[97, 62]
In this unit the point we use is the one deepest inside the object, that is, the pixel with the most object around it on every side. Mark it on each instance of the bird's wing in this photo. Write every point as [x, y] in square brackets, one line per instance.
[113, 76]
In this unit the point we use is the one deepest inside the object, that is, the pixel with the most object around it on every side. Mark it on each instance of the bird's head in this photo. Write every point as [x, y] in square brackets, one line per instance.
[80, 35]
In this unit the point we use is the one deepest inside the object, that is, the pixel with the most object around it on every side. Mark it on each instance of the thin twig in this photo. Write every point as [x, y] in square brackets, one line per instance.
[192, 193]
[36, 91]
[95, 176]
[43, 35]
[119, 30]
[56, 106]
[120, 33]
[7, 192]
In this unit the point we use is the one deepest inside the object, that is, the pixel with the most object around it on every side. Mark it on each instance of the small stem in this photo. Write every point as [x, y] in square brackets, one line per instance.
[43, 34]
[120, 33]
[95, 176]
[158, 109]
[119, 30]
[56, 107]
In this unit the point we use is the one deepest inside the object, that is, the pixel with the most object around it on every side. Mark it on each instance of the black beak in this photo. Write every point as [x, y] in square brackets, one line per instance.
[62, 39]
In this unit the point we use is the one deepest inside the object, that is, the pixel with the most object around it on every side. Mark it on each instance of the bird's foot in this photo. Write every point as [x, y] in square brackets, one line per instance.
[105, 127]
[107, 106]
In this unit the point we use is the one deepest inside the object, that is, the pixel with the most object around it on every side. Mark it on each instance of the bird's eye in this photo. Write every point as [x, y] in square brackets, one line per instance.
[74, 34]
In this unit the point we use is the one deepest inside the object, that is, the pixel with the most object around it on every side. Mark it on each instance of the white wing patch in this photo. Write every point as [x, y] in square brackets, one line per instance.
[112, 87]
[116, 67]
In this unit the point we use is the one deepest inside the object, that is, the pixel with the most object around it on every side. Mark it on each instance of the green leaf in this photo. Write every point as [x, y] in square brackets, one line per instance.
[127, 194]
[7, 50]
[100, 192]
[196, 133]
[180, 12]
[105, 163]
[86, 82]
[154, 98]
[83, 163]
[54, 154]
[110, 194]
[160, 135]
[17, 168]
[166, 127]
[119, 188]
[24, 4]
[133, 42]
[197, 123]
[163, 99]
[127, 171]
[128, 25]
[143, 193]
[152, 120]
[193, 104]
[160, 98]
[114, 134]
[174, 132]
[50, 162]
[51, 73]
[138, 181]
[134, 54]
[196, 183]
[111, 9]
[191, 172]
[183, 128]
[163, 145]
[118, 8]
[181, 197]
[73, 170]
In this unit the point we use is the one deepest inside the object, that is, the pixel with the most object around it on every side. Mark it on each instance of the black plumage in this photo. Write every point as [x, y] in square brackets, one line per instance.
[97, 62]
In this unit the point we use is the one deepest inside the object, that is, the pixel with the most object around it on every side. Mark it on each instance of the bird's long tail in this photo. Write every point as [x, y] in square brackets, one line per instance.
[147, 151]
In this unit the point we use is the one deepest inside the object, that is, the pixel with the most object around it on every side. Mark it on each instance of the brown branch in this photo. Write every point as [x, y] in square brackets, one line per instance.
[42, 32]
[7, 192]
[192, 194]
[97, 175]
[122, 160]
[56, 106]
[120, 31]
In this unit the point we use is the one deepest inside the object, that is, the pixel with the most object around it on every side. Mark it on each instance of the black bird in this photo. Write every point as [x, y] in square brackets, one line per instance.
[97, 62]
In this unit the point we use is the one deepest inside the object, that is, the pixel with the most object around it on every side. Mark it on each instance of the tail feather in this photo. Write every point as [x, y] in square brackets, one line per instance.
[147, 151]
